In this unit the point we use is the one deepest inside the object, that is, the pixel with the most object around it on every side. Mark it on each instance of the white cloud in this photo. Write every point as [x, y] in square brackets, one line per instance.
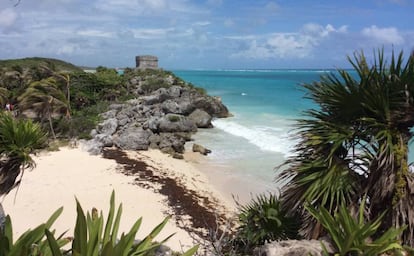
[318, 31]
[95, 33]
[202, 23]
[8, 18]
[151, 33]
[388, 35]
[288, 45]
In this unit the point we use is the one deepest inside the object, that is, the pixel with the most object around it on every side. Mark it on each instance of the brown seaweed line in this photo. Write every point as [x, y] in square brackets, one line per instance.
[182, 201]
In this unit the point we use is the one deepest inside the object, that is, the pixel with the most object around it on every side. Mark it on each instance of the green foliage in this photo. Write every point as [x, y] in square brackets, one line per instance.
[173, 118]
[353, 236]
[19, 137]
[31, 242]
[154, 83]
[4, 96]
[355, 142]
[20, 64]
[263, 220]
[94, 237]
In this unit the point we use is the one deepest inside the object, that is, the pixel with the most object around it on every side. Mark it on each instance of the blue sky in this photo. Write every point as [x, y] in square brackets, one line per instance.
[205, 34]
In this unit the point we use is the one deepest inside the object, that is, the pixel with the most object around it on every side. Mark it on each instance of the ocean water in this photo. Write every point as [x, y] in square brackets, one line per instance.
[247, 147]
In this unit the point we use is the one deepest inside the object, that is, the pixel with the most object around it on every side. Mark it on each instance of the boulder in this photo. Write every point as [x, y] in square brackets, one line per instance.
[202, 150]
[94, 147]
[109, 114]
[177, 106]
[178, 156]
[116, 107]
[108, 126]
[133, 138]
[293, 248]
[176, 123]
[212, 105]
[104, 139]
[157, 96]
[201, 118]
[174, 91]
[171, 141]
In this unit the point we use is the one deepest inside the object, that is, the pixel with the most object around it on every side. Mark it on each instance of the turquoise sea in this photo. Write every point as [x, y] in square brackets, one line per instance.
[247, 147]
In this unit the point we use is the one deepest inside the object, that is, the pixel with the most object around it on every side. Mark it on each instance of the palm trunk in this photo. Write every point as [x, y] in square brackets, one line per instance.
[68, 97]
[402, 213]
[51, 125]
[2, 218]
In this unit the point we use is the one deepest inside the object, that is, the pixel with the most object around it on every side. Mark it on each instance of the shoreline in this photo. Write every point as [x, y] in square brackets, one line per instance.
[62, 175]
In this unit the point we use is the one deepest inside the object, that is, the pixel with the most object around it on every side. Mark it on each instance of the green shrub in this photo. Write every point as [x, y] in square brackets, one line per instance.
[154, 83]
[353, 236]
[173, 118]
[263, 220]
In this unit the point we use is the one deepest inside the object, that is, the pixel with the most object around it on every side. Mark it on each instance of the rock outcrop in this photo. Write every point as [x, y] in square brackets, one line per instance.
[293, 248]
[161, 116]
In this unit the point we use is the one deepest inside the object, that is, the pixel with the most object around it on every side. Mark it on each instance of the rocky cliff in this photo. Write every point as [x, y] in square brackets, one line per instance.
[163, 114]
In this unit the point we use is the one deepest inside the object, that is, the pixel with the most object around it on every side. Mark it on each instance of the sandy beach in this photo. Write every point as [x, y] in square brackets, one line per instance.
[149, 184]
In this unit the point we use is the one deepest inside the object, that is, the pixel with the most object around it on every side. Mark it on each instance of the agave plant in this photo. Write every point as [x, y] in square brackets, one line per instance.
[93, 238]
[354, 236]
[263, 220]
[31, 242]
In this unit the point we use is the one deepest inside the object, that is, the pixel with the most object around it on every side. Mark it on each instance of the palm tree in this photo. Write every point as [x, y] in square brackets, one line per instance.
[45, 98]
[63, 76]
[4, 96]
[356, 143]
[18, 139]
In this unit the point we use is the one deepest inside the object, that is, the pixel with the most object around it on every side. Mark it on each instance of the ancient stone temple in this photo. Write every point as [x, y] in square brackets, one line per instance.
[146, 61]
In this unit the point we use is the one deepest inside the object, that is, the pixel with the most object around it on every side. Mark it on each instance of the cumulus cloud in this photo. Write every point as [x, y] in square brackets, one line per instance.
[389, 35]
[289, 45]
[8, 18]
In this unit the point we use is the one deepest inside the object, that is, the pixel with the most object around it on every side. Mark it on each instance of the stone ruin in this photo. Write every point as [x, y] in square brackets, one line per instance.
[146, 61]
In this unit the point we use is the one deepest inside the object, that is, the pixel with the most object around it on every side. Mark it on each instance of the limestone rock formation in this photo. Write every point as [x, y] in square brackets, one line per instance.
[293, 248]
[163, 118]
[202, 150]
[201, 118]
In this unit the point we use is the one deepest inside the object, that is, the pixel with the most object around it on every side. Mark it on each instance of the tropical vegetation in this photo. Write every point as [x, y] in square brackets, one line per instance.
[92, 237]
[349, 177]
[353, 148]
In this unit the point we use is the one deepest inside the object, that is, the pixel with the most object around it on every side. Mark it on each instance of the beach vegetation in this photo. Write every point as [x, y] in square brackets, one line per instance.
[354, 145]
[352, 235]
[45, 99]
[263, 220]
[18, 140]
[32, 242]
[4, 96]
[92, 236]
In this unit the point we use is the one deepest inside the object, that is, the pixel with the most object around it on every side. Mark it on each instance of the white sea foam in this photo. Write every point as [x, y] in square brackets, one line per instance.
[266, 139]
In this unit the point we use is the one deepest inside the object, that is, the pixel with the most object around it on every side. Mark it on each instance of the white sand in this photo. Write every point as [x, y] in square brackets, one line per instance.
[63, 175]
